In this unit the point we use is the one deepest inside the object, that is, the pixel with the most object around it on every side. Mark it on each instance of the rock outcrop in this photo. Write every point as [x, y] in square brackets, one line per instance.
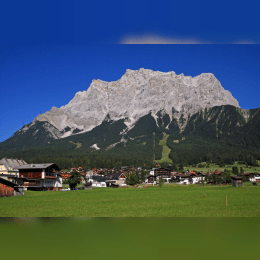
[136, 94]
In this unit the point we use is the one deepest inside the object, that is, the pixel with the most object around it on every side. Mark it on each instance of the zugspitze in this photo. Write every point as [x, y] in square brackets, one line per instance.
[136, 94]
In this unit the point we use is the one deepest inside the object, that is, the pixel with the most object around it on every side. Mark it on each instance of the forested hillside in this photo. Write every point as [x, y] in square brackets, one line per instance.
[221, 134]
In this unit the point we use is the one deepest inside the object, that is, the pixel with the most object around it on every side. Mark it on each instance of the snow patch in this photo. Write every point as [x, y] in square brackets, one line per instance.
[94, 146]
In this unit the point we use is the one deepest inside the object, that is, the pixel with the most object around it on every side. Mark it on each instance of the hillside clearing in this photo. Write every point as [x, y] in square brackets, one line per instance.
[166, 151]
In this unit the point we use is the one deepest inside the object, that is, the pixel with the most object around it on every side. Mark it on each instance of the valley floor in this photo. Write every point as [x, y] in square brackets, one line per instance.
[167, 201]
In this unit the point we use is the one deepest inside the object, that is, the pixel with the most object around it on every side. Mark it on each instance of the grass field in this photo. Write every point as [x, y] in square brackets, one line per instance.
[212, 167]
[169, 201]
[166, 151]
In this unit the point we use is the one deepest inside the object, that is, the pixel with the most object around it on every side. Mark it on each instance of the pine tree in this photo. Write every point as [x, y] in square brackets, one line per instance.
[235, 170]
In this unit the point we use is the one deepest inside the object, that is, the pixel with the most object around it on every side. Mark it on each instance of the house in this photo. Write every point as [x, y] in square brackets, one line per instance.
[88, 186]
[40, 177]
[237, 181]
[8, 167]
[165, 173]
[216, 173]
[117, 178]
[253, 177]
[98, 181]
[127, 169]
[150, 179]
[9, 188]
[188, 178]
[184, 179]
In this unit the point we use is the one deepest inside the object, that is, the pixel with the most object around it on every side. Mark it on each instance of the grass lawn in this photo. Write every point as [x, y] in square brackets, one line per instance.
[168, 201]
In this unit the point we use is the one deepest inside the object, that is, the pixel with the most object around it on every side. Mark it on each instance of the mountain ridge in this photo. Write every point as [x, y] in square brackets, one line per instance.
[135, 94]
[113, 120]
[219, 134]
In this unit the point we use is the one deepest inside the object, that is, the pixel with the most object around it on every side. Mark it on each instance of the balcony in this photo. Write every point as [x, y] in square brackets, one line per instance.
[31, 184]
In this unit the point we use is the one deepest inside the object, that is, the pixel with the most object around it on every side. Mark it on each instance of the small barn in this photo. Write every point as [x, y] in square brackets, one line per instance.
[88, 186]
[237, 181]
[8, 188]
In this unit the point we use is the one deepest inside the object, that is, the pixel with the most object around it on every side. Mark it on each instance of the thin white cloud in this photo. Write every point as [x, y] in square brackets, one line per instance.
[244, 42]
[157, 39]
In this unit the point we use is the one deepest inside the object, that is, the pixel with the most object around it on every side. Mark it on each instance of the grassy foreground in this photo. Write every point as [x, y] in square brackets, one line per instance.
[168, 201]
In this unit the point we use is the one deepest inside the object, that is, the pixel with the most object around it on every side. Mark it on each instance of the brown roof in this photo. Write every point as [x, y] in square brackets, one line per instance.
[237, 177]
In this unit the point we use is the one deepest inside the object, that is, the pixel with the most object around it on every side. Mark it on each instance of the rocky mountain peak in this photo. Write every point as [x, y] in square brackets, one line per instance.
[138, 93]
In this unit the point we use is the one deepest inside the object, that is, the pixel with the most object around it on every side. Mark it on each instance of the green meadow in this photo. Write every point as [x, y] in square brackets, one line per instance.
[212, 167]
[166, 151]
[168, 201]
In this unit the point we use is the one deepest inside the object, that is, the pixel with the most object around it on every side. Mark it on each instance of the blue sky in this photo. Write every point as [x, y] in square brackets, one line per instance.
[49, 50]
[75, 22]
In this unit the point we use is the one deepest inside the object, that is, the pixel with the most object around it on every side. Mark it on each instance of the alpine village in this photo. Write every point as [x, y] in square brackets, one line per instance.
[193, 140]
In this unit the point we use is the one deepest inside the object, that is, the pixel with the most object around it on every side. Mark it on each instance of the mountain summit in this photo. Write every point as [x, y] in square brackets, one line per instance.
[136, 94]
[143, 118]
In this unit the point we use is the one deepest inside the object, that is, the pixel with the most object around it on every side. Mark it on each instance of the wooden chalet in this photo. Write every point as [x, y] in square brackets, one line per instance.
[116, 178]
[40, 177]
[164, 172]
[150, 179]
[184, 178]
[188, 178]
[237, 181]
[9, 188]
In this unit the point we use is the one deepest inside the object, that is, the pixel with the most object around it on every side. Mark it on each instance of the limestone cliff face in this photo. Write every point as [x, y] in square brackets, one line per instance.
[136, 94]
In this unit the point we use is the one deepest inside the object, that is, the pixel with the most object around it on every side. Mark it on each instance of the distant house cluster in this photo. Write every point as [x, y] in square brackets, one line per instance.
[16, 176]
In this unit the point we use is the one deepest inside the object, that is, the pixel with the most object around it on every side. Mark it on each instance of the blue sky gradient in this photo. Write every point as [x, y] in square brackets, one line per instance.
[49, 50]
[34, 78]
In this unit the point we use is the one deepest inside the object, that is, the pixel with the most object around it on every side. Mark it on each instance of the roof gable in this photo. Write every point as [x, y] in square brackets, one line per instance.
[39, 166]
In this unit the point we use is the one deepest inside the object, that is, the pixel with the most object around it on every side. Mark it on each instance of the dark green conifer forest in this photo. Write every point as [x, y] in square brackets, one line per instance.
[221, 135]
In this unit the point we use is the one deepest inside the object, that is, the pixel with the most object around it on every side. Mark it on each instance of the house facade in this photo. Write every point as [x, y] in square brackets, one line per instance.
[150, 179]
[165, 173]
[40, 177]
[188, 178]
[9, 167]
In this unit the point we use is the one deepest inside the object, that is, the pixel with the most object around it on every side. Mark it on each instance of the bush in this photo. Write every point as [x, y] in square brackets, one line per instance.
[161, 181]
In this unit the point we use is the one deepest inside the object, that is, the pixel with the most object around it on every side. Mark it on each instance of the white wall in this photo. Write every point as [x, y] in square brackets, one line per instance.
[43, 173]
[58, 182]
[99, 184]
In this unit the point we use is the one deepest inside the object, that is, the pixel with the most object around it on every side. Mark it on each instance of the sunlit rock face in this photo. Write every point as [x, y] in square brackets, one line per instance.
[135, 94]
